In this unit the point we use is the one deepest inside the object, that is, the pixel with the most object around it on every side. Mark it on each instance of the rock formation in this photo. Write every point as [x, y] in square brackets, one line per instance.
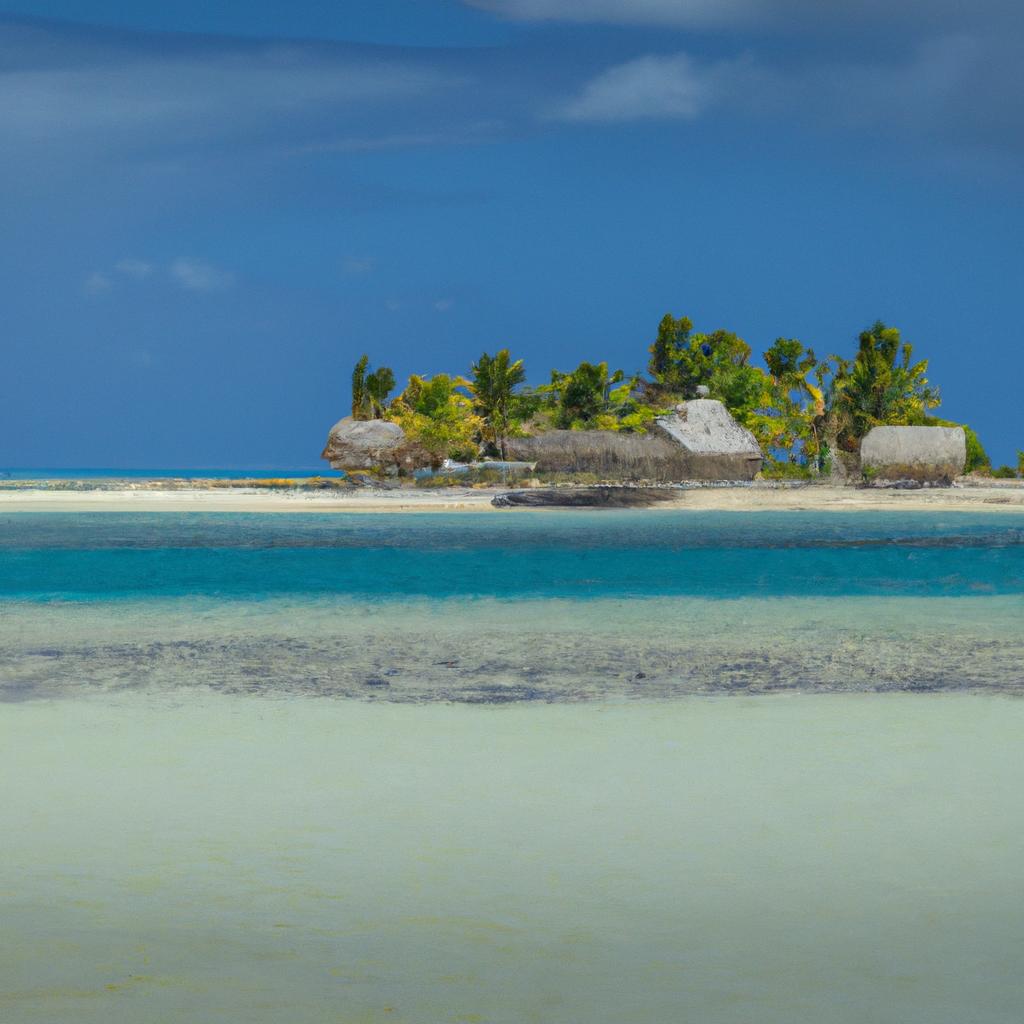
[924, 454]
[699, 441]
[371, 444]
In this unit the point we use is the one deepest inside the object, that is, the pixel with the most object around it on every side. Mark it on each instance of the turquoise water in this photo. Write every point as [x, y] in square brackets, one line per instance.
[504, 607]
[537, 555]
[503, 768]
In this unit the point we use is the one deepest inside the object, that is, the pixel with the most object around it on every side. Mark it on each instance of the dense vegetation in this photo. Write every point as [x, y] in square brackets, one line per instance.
[804, 411]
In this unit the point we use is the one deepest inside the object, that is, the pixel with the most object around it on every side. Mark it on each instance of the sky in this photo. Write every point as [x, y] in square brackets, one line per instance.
[210, 211]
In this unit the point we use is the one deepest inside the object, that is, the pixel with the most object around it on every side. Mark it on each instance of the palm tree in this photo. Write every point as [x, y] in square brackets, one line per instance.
[379, 385]
[882, 386]
[360, 399]
[495, 379]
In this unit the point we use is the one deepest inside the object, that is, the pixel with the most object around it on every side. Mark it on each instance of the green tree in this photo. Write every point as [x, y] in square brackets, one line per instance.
[360, 397]
[682, 361]
[670, 363]
[493, 388]
[438, 416]
[584, 396]
[882, 386]
[791, 419]
[379, 386]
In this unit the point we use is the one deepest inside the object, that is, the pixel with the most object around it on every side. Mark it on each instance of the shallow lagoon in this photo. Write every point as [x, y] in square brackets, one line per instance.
[821, 859]
[199, 821]
[506, 607]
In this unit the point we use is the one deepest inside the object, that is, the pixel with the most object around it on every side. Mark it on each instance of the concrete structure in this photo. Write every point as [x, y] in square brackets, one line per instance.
[924, 454]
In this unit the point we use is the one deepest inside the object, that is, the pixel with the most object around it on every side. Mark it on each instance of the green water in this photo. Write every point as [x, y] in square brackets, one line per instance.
[208, 858]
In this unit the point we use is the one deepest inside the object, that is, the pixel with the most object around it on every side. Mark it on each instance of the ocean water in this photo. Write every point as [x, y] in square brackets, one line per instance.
[511, 767]
[500, 607]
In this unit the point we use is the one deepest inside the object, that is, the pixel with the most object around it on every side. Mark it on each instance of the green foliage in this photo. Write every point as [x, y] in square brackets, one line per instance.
[493, 388]
[370, 390]
[804, 411]
[669, 362]
[583, 396]
[360, 398]
[682, 361]
[779, 469]
[1008, 472]
[882, 386]
[439, 417]
[379, 386]
[791, 417]
[639, 419]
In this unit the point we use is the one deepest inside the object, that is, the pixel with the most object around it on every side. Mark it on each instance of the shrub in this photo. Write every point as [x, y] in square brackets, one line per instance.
[777, 469]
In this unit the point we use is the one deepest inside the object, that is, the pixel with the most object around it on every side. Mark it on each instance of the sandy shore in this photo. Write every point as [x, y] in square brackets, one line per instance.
[745, 499]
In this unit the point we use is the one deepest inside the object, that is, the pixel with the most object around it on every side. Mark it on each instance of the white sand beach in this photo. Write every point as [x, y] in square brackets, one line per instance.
[741, 499]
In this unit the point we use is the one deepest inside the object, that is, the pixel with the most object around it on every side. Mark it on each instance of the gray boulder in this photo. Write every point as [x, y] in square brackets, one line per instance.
[925, 454]
[371, 444]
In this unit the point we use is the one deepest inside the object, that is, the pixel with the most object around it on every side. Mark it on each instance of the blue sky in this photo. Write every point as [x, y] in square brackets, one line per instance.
[210, 211]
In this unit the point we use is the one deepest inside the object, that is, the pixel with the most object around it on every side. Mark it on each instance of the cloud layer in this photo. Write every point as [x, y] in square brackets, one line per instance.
[792, 15]
[64, 87]
[71, 97]
[672, 86]
[955, 92]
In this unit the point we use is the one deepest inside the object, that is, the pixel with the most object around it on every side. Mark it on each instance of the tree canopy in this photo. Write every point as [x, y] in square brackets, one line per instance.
[804, 411]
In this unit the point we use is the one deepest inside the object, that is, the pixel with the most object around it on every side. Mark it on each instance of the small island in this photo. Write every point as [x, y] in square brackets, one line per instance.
[702, 412]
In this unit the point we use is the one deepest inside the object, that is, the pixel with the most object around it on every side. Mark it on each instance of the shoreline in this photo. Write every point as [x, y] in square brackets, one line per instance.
[752, 498]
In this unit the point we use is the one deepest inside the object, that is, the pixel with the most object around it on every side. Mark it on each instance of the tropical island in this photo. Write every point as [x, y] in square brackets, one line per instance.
[703, 426]
[701, 410]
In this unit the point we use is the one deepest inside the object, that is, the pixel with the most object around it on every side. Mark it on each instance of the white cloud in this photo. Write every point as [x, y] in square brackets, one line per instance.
[444, 305]
[200, 276]
[137, 269]
[955, 92]
[653, 86]
[97, 283]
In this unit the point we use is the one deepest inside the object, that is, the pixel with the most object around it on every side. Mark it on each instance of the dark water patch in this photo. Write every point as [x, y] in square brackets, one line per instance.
[601, 530]
[560, 668]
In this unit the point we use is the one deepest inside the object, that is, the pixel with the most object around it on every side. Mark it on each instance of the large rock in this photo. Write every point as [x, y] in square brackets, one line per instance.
[926, 454]
[371, 444]
[700, 441]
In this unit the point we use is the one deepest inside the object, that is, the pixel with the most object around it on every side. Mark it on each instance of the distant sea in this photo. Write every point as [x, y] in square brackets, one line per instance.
[507, 767]
[50, 473]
